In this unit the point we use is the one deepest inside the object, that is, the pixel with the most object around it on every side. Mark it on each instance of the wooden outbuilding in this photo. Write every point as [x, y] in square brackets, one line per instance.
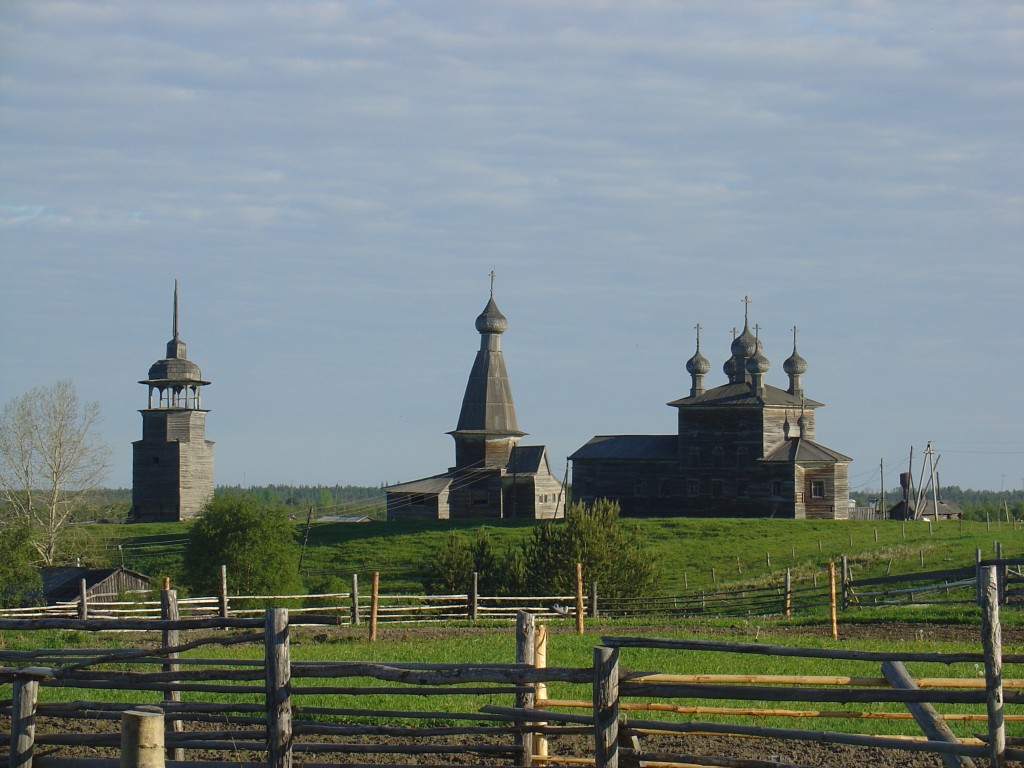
[103, 585]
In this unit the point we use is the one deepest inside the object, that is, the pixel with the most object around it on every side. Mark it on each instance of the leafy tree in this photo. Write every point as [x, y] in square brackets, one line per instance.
[50, 461]
[20, 583]
[614, 556]
[256, 543]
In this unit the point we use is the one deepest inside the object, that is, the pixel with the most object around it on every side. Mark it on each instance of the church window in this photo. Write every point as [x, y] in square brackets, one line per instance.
[776, 488]
[716, 489]
[478, 498]
[665, 487]
[742, 457]
[817, 489]
[692, 487]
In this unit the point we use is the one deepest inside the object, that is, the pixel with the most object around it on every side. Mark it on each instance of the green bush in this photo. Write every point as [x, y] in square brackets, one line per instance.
[20, 583]
[256, 543]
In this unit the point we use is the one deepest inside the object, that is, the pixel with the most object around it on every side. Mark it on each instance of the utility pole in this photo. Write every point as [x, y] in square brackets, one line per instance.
[881, 474]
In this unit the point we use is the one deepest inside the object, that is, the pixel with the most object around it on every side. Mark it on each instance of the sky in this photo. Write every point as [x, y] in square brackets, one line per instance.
[332, 183]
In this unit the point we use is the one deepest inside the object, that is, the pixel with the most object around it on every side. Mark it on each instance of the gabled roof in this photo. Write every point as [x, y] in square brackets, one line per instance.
[529, 460]
[743, 394]
[630, 448]
[430, 486]
[800, 450]
[61, 584]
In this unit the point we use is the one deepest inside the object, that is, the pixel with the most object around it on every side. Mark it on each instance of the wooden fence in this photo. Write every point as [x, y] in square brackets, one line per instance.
[271, 709]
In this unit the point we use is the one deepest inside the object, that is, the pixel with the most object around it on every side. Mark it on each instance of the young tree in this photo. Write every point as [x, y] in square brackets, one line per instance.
[256, 543]
[50, 459]
[452, 565]
[20, 583]
[614, 556]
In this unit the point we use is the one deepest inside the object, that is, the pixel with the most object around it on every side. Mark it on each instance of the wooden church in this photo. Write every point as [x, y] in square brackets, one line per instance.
[742, 449]
[172, 465]
[494, 476]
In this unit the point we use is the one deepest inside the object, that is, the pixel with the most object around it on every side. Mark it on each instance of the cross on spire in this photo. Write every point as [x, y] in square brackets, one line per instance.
[746, 309]
[492, 283]
[757, 330]
[175, 323]
[795, 329]
[698, 326]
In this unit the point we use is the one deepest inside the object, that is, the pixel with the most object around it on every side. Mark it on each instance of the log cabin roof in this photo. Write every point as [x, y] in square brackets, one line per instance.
[800, 450]
[528, 460]
[630, 448]
[742, 394]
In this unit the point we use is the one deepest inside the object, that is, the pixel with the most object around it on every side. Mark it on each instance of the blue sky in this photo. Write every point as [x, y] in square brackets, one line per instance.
[332, 182]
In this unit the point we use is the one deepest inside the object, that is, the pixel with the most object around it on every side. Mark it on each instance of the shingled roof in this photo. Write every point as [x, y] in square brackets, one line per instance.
[801, 450]
[741, 393]
[630, 447]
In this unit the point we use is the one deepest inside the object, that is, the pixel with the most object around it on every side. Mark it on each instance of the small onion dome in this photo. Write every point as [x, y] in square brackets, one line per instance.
[175, 369]
[698, 365]
[744, 345]
[758, 363]
[491, 320]
[795, 364]
[729, 368]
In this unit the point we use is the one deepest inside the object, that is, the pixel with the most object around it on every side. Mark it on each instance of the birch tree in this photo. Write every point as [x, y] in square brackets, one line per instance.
[50, 459]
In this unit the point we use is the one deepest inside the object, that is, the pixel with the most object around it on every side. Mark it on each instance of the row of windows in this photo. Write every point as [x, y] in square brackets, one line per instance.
[702, 457]
[717, 488]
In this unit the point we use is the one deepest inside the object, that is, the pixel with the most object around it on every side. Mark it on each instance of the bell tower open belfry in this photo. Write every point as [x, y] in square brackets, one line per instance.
[172, 465]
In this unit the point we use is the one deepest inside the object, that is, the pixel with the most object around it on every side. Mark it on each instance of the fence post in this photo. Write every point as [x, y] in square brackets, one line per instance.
[787, 605]
[170, 638]
[224, 591]
[978, 592]
[142, 738]
[526, 653]
[355, 599]
[83, 600]
[606, 707]
[374, 605]
[540, 689]
[844, 578]
[1001, 573]
[832, 598]
[593, 600]
[579, 598]
[474, 595]
[279, 702]
[23, 722]
[992, 645]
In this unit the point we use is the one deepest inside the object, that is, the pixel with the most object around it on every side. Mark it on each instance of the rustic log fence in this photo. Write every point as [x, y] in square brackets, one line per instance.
[277, 707]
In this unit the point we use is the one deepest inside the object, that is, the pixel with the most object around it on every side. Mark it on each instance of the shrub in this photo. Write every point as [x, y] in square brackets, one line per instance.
[257, 544]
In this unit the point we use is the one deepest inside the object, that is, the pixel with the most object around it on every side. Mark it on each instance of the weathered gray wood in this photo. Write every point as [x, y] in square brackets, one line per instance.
[579, 598]
[279, 703]
[83, 600]
[474, 597]
[355, 600]
[155, 625]
[526, 648]
[142, 739]
[844, 579]
[992, 643]
[170, 638]
[606, 707]
[787, 601]
[931, 722]
[223, 596]
[780, 693]
[23, 722]
[593, 600]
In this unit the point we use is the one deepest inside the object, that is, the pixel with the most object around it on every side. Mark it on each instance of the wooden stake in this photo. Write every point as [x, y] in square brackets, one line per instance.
[579, 598]
[540, 689]
[992, 644]
[224, 591]
[355, 600]
[83, 600]
[526, 653]
[170, 638]
[23, 722]
[832, 599]
[142, 739]
[474, 585]
[374, 605]
[606, 707]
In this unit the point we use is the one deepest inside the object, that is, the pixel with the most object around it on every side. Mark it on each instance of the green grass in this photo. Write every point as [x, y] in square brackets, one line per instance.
[692, 554]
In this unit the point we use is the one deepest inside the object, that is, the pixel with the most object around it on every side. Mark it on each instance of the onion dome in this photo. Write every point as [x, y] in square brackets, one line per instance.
[698, 365]
[491, 320]
[758, 363]
[729, 368]
[744, 345]
[795, 364]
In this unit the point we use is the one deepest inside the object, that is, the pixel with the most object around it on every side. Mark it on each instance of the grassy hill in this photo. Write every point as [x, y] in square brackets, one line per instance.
[691, 554]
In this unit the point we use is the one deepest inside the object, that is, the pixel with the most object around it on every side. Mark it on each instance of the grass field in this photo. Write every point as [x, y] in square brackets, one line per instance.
[690, 553]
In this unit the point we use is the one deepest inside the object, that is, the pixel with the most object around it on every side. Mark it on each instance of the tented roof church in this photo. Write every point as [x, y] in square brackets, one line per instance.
[742, 449]
[494, 476]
